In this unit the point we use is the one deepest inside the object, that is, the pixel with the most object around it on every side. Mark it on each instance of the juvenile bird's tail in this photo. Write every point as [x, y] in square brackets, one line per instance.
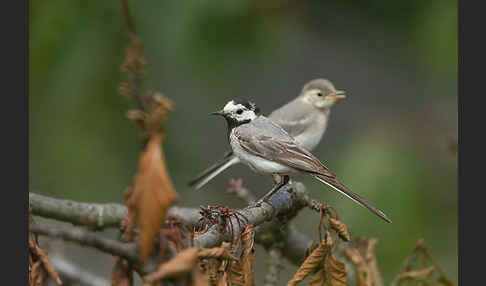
[211, 172]
[336, 185]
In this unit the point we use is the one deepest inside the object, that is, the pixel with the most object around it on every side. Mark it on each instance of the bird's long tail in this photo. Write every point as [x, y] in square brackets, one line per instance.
[336, 185]
[211, 172]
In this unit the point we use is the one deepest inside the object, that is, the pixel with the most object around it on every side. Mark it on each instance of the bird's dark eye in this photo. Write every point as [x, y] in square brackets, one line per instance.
[319, 94]
[239, 111]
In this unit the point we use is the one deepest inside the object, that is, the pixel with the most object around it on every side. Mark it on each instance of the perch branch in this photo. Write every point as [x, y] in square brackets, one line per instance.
[287, 202]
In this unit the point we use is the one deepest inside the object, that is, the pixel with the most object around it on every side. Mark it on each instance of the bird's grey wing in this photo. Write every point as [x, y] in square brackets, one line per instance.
[286, 152]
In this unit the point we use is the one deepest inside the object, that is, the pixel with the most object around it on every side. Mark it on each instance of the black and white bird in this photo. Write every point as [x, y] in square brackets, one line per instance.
[268, 149]
[305, 118]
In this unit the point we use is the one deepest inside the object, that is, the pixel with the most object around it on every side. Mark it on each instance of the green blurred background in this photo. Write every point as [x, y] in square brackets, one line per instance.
[389, 140]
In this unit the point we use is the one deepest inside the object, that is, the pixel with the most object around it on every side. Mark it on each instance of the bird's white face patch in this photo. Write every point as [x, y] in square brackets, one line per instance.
[231, 106]
[238, 111]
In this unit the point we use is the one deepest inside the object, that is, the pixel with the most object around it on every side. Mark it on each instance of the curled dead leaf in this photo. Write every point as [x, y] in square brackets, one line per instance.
[40, 263]
[241, 272]
[340, 228]
[247, 257]
[362, 269]
[153, 193]
[362, 255]
[332, 273]
[420, 275]
[182, 263]
[421, 269]
[313, 262]
[318, 278]
[217, 252]
[336, 271]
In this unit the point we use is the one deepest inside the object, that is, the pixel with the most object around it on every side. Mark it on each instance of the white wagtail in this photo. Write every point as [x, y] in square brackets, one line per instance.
[268, 149]
[304, 118]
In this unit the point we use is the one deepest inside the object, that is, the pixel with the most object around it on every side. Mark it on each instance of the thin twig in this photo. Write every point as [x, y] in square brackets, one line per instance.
[128, 18]
[236, 187]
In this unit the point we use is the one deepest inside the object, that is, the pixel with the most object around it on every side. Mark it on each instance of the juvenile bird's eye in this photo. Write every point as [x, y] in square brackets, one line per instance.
[319, 94]
[239, 111]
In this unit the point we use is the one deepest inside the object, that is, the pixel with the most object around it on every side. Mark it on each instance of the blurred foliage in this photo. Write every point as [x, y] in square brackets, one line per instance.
[388, 140]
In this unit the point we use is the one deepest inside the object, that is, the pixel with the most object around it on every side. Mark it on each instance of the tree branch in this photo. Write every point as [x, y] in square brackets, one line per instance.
[93, 215]
[88, 238]
[101, 216]
[285, 203]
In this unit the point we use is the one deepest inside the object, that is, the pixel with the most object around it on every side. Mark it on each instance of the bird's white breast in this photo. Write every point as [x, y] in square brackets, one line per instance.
[312, 135]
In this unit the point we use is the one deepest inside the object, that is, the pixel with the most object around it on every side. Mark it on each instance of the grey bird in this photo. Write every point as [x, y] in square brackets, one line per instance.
[268, 149]
[304, 118]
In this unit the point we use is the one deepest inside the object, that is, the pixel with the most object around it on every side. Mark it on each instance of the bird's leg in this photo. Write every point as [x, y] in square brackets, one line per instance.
[277, 186]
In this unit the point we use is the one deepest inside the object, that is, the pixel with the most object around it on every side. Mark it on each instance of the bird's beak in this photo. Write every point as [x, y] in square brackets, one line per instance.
[219, 112]
[337, 95]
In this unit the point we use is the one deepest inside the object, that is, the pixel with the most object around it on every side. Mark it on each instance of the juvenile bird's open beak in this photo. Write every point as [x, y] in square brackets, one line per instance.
[337, 95]
[219, 112]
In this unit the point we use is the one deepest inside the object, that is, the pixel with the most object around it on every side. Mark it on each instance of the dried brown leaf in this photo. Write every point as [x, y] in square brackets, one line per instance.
[37, 274]
[41, 263]
[153, 193]
[420, 275]
[421, 268]
[214, 261]
[122, 274]
[313, 262]
[362, 254]
[318, 278]
[182, 263]
[340, 228]
[370, 258]
[247, 257]
[242, 270]
[336, 271]
[362, 269]
[217, 252]
[224, 280]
